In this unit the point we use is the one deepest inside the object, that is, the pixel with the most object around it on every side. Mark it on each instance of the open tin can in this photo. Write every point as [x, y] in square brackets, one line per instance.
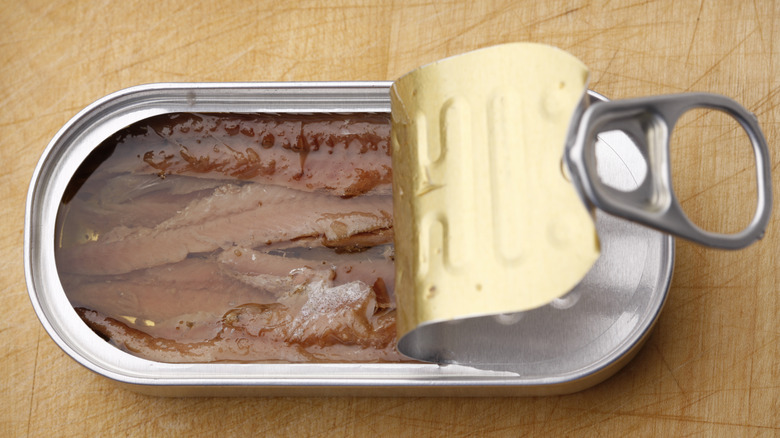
[568, 345]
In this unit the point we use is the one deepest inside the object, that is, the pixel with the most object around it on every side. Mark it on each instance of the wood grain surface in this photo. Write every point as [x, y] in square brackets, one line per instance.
[711, 367]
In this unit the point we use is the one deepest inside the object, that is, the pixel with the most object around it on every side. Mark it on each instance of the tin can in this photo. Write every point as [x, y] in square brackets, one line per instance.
[571, 344]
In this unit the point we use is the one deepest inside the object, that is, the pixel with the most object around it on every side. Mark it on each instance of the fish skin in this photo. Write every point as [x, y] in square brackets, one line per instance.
[345, 155]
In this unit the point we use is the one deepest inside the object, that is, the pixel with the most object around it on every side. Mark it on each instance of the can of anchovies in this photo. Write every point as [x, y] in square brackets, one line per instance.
[568, 345]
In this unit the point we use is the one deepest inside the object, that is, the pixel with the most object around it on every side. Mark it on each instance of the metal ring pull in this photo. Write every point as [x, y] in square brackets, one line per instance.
[649, 122]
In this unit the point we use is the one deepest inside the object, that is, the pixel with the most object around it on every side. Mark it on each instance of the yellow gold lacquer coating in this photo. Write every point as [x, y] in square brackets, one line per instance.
[485, 220]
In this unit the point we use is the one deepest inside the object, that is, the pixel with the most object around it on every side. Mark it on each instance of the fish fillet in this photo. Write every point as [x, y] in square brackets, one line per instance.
[340, 154]
[248, 216]
[318, 323]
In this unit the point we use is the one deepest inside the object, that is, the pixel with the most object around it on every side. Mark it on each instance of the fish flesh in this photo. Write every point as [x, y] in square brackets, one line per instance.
[182, 300]
[248, 216]
[279, 273]
[134, 200]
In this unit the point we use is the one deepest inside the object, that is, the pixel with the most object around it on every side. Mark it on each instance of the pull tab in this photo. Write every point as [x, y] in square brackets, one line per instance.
[649, 122]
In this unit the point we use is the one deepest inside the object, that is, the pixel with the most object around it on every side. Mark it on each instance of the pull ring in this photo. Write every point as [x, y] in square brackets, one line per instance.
[649, 122]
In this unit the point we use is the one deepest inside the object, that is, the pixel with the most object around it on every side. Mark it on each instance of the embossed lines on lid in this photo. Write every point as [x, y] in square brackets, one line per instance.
[471, 182]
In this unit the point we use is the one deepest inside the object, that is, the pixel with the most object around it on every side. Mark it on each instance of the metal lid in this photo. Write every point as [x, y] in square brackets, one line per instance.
[603, 318]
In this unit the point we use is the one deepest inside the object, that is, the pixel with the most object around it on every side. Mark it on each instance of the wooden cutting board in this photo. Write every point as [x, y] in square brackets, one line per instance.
[711, 366]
